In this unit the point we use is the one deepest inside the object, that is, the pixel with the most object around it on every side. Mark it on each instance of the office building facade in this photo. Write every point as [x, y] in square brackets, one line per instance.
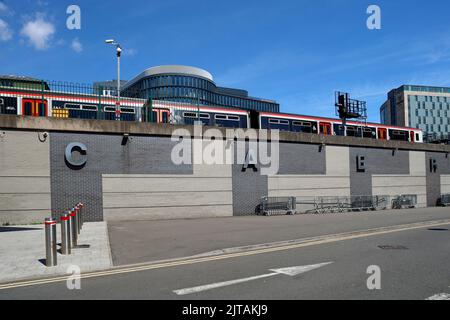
[422, 107]
[192, 85]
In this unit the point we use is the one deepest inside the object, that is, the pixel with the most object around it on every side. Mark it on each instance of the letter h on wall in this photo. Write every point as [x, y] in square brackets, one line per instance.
[433, 165]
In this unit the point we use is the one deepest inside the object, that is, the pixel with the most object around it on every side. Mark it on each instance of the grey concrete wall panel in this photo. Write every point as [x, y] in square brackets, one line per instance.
[377, 161]
[105, 155]
[302, 159]
[434, 178]
[24, 177]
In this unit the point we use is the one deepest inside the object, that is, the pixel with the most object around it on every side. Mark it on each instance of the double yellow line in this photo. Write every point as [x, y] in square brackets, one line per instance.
[249, 252]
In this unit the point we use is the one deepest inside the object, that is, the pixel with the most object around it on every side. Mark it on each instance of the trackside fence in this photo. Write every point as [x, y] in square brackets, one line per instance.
[68, 100]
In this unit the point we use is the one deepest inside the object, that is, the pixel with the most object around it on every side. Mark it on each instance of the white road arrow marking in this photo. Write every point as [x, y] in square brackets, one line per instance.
[292, 272]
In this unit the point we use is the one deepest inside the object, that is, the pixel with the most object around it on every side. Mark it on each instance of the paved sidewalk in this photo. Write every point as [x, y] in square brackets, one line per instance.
[22, 252]
[147, 241]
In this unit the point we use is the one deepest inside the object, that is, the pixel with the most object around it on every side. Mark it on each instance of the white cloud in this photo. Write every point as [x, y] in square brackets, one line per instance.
[5, 32]
[5, 10]
[38, 32]
[3, 7]
[76, 45]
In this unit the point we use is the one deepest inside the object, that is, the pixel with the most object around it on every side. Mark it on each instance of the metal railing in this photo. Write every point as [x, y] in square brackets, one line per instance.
[444, 200]
[320, 205]
[441, 138]
[277, 206]
[88, 101]
[69, 100]
[405, 202]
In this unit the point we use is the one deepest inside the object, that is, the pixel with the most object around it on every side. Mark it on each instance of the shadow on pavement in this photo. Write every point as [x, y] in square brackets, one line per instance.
[17, 229]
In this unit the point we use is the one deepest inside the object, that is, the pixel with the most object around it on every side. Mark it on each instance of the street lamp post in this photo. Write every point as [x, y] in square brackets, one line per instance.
[119, 53]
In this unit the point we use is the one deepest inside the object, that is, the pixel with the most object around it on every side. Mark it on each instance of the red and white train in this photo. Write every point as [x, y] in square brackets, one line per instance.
[84, 106]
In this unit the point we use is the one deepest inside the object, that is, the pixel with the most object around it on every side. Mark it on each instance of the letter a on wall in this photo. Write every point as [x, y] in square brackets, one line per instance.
[251, 161]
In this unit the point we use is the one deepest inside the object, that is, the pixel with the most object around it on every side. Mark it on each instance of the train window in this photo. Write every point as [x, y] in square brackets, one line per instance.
[2, 102]
[190, 115]
[417, 137]
[72, 106]
[233, 118]
[220, 117]
[279, 121]
[301, 124]
[127, 110]
[369, 133]
[110, 109]
[204, 116]
[89, 108]
[351, 132]
[399, 135]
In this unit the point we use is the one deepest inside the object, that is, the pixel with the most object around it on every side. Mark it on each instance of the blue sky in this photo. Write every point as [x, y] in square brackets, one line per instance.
[297, 52]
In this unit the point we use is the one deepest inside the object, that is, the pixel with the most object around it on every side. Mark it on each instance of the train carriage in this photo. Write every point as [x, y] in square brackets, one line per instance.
[84, 106]
[187, 114]
[61, 105]
[329, 126]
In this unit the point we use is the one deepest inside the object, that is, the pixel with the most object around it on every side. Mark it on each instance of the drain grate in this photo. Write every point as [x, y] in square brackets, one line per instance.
[390, 247]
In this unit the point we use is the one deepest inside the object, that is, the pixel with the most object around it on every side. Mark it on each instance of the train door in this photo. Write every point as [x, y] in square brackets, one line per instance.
[325, 128]
[412, 136]
[161, 115]
[164, 116]
[34, 107]
[382, 134]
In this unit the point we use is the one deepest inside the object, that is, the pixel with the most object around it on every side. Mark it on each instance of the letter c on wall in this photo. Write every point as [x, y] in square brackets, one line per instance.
[70, 161]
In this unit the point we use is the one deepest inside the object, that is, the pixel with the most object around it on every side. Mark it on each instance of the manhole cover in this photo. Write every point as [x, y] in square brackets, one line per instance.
[389, 247]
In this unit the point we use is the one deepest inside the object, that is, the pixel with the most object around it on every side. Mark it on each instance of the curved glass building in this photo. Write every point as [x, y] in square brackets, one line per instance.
[191, 85]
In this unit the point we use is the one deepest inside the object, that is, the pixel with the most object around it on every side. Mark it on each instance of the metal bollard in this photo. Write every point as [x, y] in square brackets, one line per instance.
[50, 242]
[74, 228]
[78, 219]
[80, 224]
[66, 247]
[78, 208]
[82, 213]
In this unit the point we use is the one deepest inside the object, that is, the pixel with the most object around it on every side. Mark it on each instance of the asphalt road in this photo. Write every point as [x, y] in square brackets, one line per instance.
[143, 241]
[417, 269]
